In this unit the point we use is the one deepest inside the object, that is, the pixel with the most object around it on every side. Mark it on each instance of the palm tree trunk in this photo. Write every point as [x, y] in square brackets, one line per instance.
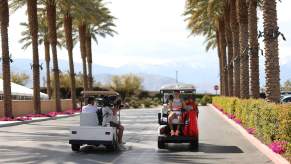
[243, 39]
[228, 35]
[82, 36]
[51, 16]
[89, 60]
[223, 56]
[220, 64]
[272, 67]
[4, 20]
[254, 48]
[236, 48]
[48, 74]
[33, 27]
[69, 42]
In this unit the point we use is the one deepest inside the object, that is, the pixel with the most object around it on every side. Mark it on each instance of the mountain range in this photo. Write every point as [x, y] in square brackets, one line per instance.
[154, 76]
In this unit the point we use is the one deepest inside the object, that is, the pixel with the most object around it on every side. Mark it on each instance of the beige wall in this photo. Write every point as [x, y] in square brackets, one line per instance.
[22, 107]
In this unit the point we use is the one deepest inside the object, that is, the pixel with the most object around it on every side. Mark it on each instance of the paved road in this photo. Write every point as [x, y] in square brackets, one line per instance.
[47, 142]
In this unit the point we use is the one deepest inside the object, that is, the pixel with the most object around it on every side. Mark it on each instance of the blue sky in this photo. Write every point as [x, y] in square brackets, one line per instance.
[153, 33]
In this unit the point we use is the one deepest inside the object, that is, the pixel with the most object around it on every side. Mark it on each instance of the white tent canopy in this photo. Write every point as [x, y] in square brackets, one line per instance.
[19, 90]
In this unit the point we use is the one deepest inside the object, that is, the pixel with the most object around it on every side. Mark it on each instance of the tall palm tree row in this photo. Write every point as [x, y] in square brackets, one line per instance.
[91, 18]
[235, 24]
[4, 23]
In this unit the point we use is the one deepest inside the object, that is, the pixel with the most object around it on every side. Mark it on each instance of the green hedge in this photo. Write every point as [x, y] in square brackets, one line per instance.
[272, 122]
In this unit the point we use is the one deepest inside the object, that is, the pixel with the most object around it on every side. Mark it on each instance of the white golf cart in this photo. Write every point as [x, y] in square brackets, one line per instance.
[164, 136]
[91, 131]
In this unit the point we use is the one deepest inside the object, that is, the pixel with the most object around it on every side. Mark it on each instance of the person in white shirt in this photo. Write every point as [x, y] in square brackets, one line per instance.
[110, 117]
[90, 107]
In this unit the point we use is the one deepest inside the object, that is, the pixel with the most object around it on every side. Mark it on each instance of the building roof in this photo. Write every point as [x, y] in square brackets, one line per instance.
[19, 90]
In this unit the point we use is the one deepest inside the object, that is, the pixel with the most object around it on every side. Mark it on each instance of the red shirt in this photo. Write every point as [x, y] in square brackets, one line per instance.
[193, 104]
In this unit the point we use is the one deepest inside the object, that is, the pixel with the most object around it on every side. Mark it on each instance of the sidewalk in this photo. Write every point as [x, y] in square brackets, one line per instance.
[34, 119]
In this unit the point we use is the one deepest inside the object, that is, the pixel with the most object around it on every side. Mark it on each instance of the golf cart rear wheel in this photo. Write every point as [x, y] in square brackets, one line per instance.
[113, 147]
[194, 145]
[75, 147]
[161, 143]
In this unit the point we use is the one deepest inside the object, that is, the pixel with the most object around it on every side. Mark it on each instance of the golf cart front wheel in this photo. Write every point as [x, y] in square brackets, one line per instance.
[75, 147]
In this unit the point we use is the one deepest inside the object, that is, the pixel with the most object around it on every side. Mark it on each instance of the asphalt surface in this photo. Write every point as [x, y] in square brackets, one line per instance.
[47, 142]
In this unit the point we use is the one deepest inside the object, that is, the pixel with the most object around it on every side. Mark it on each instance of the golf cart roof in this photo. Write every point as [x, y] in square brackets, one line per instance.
[178, 87]
[99, 93]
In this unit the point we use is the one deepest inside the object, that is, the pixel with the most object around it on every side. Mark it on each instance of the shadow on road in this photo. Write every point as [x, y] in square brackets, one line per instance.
[203, 147]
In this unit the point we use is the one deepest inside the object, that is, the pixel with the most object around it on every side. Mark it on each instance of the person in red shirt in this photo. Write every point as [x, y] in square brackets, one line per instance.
[191, 104]
[191, 116]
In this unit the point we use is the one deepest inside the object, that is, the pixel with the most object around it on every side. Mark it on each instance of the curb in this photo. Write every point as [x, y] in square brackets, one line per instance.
[38, 120]
[276, 158]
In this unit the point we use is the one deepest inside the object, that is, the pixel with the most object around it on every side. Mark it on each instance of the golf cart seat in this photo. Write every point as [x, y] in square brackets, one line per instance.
[88, 119]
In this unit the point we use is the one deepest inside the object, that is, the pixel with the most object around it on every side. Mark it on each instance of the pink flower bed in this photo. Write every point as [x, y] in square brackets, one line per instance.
[50, 114]
[251, 130]
[278, 147]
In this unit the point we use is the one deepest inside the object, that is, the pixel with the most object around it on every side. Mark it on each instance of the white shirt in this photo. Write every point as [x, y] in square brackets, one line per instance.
[89, 109]
[108, 116]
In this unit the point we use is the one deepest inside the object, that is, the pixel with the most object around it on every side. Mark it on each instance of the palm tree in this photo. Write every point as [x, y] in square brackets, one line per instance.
[52, 29]
[254, 48]
[272, 67]
[242, 14]
[82, 36]
[103, 27]
[42, 39]
[4, 20]
[223, 56]
[82, 22]
[33, 28]
[228, 35]
[204, 18]
[236, 47]
[66, 9]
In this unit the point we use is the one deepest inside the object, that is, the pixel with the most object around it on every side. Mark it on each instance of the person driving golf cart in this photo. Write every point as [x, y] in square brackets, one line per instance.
[90, 107]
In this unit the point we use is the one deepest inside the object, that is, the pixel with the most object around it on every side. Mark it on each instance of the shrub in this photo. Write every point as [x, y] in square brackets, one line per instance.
[205, 100]
[272, 122]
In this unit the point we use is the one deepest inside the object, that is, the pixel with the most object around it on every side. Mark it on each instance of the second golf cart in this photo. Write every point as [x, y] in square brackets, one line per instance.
[164, 136]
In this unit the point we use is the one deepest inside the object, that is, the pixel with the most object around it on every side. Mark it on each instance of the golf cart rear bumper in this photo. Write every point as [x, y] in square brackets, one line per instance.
[90, 142]
[177, 139]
